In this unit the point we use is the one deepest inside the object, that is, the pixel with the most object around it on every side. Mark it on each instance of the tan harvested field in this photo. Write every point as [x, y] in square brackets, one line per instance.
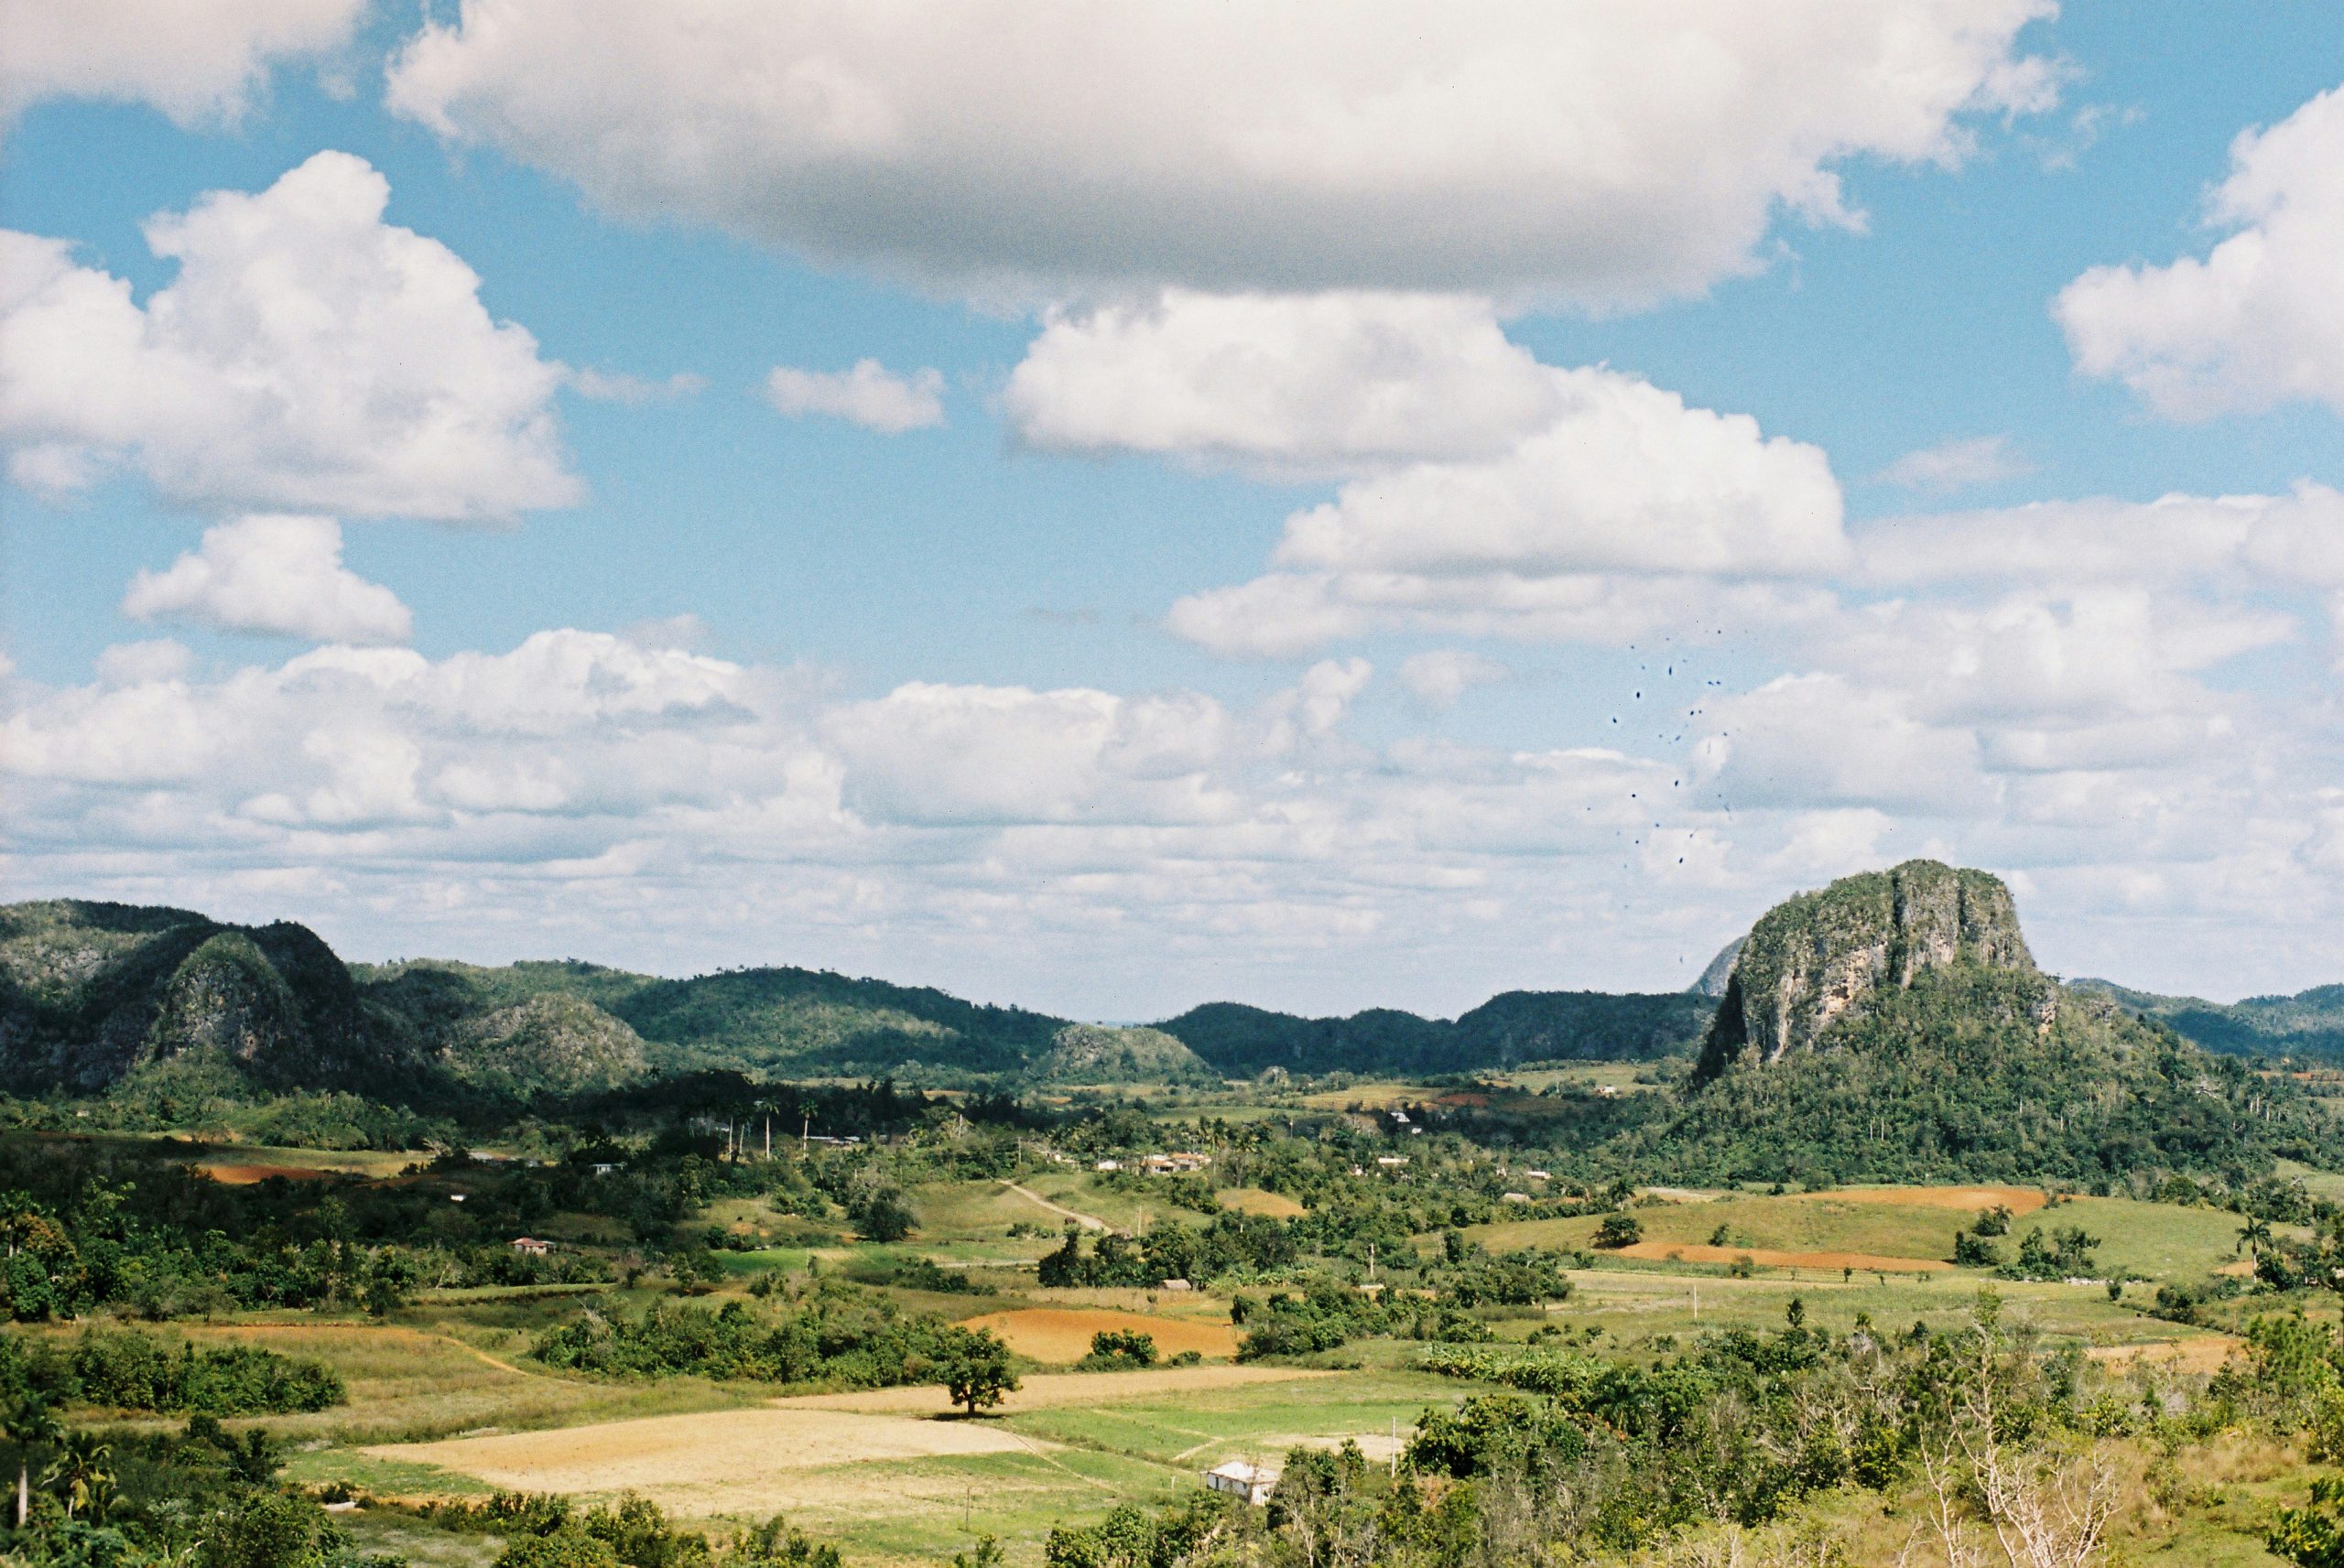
[1045, 1391]
[1968, 1200]
[2200, 1354]
[1254, 1200]
[717, 1461]
[251, 1175]
[1768, 1257]
[1063, 1333]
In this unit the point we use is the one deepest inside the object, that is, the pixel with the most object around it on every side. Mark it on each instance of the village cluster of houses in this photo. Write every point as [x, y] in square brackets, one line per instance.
[1184, 1163]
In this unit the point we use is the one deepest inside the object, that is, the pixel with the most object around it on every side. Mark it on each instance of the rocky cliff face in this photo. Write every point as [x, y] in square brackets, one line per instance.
[1820, 957]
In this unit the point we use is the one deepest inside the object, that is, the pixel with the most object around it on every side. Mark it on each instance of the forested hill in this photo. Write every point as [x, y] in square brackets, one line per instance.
[2309, 1023]
[92, 994]
[1508, 1029]
[1894, 1027]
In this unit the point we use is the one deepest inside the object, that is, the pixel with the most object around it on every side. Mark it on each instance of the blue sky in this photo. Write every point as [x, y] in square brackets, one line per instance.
[1018, 692]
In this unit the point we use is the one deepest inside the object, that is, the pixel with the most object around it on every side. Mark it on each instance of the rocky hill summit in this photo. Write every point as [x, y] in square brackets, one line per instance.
[1820, 958]
[91, 992]
[1098, 1053]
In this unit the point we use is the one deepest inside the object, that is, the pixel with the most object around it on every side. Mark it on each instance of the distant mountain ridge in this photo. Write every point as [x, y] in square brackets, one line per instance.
[1509, 1029]
[92, 994]
[2308, 1023]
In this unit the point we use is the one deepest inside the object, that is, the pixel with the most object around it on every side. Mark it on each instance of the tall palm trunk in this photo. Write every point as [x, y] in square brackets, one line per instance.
[24, 1491]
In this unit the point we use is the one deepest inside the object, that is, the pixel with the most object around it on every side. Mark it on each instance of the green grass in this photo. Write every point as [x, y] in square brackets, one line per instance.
[1201, 1430]
[426, 1377]
[1617, 1075]
[2328, 1185]
[379, 1477]
[1802, 1224]
[923, 1511]
[2161, 1242]
[385, 1532]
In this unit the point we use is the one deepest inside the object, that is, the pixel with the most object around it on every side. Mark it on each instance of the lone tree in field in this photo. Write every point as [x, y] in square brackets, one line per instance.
[1619, 1230]
[973, 1366]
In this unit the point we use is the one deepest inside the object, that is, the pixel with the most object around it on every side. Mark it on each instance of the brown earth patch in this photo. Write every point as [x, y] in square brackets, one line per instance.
[249, 1175]
[2202, 1354]
[1063, 1333]
[1045, 1391]
[688, 1462]
[2018, 1200]
[1768, 1257]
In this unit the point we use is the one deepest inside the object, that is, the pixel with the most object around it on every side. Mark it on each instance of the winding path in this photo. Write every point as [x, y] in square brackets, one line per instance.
[1088, 1221]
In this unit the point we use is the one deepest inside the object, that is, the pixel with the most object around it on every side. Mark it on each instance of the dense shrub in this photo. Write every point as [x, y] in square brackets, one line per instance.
[1113, 1350]
[836, 1335]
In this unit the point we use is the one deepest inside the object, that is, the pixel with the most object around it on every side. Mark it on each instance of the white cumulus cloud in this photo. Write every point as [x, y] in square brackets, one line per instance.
[309, 356]
[1334, 382]
[869, 395]
[2254, 323]
[274, 574]
[1607, 153]
[194, 59]
[1625, 510]
[1627, 479]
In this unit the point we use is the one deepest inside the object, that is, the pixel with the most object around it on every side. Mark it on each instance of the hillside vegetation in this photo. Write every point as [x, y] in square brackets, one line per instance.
[1093, 1054]
[2309, 1023]
[1984, 1074]
[94, 996]
[91, 992]
[1507, 1030]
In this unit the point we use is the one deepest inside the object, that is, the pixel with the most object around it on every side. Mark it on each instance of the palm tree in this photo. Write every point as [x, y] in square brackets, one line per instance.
[85, 1466]
[31, 1423]
[2255, 1233]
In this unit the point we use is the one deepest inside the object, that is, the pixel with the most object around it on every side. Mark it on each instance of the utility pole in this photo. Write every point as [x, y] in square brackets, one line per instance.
[768, 1135]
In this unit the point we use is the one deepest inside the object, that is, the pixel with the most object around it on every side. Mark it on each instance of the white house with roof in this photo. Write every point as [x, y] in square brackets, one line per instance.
[1239, 1478]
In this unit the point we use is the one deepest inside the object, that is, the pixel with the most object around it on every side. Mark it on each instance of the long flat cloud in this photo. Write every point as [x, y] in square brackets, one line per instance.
[1606, 154]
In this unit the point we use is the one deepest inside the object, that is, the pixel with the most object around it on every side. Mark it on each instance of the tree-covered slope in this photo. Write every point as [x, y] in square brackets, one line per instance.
[1095, 1054]
[2309, 1023]
[785, 1021]
[1508, 1029]
[91, 992]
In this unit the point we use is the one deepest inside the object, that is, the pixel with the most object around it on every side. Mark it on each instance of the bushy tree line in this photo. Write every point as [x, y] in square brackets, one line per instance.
[128, 1369]
[833, 1333]
[1228, 1243]
[545, 1531]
